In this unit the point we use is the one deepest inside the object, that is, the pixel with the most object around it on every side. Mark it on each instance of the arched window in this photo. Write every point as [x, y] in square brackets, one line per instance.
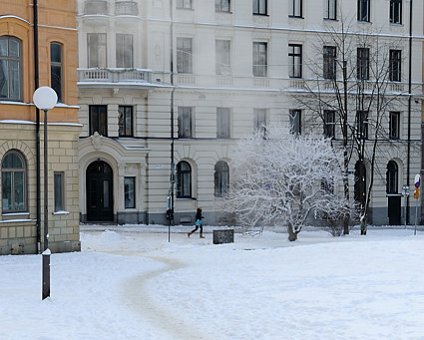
[360, 183]
[222, 178]
[183, 180]
[10, 68]
[13, 182]
[392, 178]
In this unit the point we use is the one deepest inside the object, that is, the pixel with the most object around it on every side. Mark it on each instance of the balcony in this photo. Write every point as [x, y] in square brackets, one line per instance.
[114, 76]
[97, 7]
[126, 8]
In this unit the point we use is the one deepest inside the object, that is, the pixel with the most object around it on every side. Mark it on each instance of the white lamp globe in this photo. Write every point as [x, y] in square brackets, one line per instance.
[45, 98]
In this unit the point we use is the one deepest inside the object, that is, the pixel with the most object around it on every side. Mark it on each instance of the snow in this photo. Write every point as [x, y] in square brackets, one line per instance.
[130, 282]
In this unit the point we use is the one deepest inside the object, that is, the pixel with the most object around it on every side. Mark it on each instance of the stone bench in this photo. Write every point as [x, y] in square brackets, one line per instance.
[223, 236]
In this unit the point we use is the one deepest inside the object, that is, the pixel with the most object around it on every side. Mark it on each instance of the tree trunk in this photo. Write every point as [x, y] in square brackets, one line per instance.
[364, 224]
[291, 232]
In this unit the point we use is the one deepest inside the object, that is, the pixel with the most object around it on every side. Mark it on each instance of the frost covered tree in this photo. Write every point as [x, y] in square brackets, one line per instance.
[283, 179]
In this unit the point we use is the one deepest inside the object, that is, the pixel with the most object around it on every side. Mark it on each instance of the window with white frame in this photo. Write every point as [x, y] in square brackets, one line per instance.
[329, 123]
[260, 62]
[125, 121]
[97, 50]
[98, 119]
[222, 5]
[260, 7]
[129, 192]
[183, 180]
[363, 10]
[185, 55]
[362, 124]
[186, 4]
[185, 122]
[221, 178]
[10, 68]
[13, 182]
[124, 50]
[295, 8]
[295, 120]
[329, 62]
[394, 125]
[331, 10]
[395, 65]
[363, 63]
[59, 191]
[223, 122]
[260, 121]
[295, 61]
[223, 57]
[396, 11]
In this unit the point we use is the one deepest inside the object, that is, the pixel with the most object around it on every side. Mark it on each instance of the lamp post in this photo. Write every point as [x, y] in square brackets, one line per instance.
[45, 98]
[405, 194]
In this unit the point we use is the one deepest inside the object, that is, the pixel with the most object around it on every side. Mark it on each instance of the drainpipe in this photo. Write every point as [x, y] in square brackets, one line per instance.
[172, 174]
[408, 164]
[37, 126]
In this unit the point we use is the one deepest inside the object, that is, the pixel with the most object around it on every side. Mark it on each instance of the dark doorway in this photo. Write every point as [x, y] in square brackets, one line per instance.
[394, 210]
[99, 192]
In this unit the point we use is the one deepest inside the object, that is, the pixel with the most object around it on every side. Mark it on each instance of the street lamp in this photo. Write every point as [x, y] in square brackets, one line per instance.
[45, 98]
[405, 194]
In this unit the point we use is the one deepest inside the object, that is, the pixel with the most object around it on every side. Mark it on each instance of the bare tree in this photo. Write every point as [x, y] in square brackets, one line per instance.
[354, 86]
[283, 178]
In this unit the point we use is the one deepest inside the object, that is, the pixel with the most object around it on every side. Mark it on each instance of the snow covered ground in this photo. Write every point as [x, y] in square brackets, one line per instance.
[130, 283]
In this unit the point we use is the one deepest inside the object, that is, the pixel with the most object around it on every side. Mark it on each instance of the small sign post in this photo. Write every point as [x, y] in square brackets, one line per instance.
[417, 183]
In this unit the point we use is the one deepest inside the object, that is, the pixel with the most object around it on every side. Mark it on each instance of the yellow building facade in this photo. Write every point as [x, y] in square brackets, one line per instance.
[38, 47]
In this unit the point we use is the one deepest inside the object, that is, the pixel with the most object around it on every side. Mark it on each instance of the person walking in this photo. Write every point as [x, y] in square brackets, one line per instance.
[198, 223]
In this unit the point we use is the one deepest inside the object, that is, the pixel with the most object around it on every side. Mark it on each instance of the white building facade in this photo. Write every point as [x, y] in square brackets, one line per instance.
[179, 82]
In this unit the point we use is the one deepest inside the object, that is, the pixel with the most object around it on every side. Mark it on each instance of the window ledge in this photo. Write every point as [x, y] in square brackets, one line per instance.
[18, 220]
[60, 212]
[24, 213]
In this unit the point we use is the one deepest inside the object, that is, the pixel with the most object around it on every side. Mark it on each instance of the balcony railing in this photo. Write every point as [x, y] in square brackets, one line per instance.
[106, 75]
[126, 8]
[99, 7]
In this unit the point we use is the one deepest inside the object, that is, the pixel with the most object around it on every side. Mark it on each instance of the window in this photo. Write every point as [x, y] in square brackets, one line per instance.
[392, 178]
[97, 50]
[396, 11]
[222, 178]
[295, 61]
[394, 125]
[329, 62]
[223, 57]
[363, 63]
[295, 9]
[125, 121]
[183, 180]
[222, 5]
[13, 183]
[395, 65]
[295, 119]
[10, 69]
[129, 192]
[124, 51]
[184, 4]
[185, 122]
[260, 7]
[360, 183]
[98, 119]
[260, 121]
[329, 123]
[184, 55]
[362, 124]
[56, 69]
[222, 122]
[59, 191]
[260, 59]
[331, 10]
[363, 10]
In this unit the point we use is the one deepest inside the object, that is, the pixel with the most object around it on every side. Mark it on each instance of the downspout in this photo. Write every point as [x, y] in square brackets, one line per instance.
[172, 174]
[408, 164]
[37, 126]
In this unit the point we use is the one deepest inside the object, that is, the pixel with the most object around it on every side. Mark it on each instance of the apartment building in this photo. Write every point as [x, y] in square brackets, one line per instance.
[168, 87]
[53, 42]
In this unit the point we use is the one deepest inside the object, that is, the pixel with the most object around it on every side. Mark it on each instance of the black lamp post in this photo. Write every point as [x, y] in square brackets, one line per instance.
[45, 98]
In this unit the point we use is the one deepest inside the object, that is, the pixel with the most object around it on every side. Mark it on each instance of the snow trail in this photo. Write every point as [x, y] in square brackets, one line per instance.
[137, 297]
